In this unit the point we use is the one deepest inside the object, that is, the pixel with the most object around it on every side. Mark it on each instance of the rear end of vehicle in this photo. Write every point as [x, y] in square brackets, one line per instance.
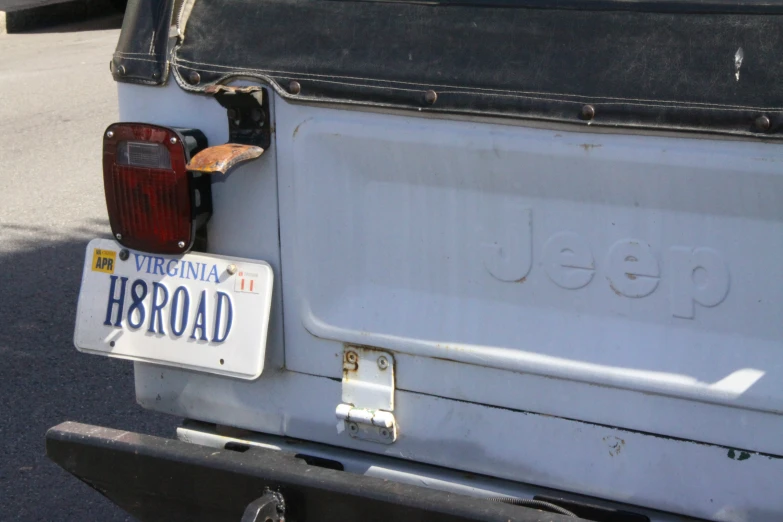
[398, 260]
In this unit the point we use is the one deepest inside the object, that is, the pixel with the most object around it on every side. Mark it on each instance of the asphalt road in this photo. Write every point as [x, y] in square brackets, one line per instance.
[56, 98]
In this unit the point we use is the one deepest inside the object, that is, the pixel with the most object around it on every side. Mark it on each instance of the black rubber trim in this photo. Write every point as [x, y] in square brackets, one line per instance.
[667, 71]
[653, 6]
[142, 50]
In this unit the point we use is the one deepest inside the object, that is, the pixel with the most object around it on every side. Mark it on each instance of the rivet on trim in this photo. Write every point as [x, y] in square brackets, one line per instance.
[762, 123]
[588, 112]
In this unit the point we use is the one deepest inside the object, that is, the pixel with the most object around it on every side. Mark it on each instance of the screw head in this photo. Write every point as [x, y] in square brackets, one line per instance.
[383, 363]
[763, 123]
[294, 87]
[352, 427]
[231, 269]
[181, 244]
[351, 357]
[194, 78]
[124, 254]
[385, 433]
[430, 96]
[121, 70]
[173, 140]
[118, 236]
[588, 112]
[110, 134]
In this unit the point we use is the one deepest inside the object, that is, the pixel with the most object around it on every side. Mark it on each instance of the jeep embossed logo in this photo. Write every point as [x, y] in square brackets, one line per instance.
[693, 274]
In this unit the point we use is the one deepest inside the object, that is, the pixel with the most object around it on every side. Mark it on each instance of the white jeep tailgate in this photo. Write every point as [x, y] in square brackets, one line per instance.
[627, 280]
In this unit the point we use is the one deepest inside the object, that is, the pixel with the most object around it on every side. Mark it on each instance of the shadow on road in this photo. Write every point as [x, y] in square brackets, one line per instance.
[66, 18]
[45, 381]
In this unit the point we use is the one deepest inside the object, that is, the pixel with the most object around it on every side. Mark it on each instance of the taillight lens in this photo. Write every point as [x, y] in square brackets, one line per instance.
[154, 203]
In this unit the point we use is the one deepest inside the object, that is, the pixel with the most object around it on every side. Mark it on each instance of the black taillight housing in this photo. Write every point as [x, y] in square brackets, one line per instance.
[154, 203]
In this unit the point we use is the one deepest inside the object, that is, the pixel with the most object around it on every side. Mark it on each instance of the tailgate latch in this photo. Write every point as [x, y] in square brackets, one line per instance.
[368, 395]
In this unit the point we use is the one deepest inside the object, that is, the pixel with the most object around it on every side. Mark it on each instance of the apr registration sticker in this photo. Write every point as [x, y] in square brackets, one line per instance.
[103, 260]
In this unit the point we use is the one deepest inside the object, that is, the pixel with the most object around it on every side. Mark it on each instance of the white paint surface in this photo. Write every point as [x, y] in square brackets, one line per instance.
[577, 280]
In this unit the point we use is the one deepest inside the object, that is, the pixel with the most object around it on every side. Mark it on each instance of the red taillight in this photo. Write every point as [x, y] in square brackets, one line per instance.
[154, 203]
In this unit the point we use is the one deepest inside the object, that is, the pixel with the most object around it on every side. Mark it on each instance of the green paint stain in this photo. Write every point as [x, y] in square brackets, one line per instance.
[743, 455]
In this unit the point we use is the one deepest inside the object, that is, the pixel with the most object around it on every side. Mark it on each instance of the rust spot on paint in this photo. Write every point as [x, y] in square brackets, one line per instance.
[588, 146]
[296, 130]
[630, 276]
[521, 280]
[616, 445]
[350, 363]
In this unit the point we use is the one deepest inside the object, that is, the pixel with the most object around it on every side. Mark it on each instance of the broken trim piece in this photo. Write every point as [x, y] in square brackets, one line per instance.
[223, 158]
[247, 109]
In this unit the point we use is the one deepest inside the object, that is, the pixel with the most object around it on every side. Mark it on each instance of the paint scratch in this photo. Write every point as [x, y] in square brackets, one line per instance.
[738, 57]
[615, 445]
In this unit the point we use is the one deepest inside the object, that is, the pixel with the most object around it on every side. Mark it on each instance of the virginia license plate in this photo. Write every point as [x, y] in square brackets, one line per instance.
[198, 311]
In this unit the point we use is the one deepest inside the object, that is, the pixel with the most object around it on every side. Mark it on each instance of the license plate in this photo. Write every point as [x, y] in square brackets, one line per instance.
[197, 311]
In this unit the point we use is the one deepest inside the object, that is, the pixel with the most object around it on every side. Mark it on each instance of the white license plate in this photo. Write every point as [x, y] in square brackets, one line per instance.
[198, 311]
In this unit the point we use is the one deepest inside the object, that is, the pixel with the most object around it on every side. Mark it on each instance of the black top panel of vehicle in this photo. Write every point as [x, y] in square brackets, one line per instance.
[673, 6]
[708, 66]
[141, 55]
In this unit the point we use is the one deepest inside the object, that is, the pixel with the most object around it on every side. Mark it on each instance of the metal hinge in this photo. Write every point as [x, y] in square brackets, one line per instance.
[368, 395]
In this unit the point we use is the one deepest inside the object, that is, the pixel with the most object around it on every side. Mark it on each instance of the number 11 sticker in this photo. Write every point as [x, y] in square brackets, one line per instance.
[246, 282]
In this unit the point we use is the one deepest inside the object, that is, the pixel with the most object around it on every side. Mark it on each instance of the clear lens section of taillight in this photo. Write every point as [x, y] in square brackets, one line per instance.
[153, 201]
[142, 154]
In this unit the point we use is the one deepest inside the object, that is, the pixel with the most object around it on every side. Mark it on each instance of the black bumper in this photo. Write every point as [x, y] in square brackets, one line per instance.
[162, 479]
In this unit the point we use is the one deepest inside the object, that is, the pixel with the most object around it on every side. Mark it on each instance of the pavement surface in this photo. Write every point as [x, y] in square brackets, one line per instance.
[24, 15]
[56, 98]
[13, 5]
